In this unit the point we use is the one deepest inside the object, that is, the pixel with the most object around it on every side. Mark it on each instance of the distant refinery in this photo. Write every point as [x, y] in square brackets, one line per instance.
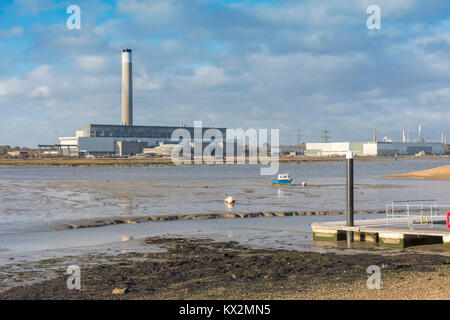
[420, 138]
[386, 147]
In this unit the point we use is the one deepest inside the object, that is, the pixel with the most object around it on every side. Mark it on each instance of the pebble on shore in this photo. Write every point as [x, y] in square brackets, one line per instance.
[120, 291]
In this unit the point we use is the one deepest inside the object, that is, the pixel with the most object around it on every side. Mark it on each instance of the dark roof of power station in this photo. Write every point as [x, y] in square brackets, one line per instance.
[118, 131]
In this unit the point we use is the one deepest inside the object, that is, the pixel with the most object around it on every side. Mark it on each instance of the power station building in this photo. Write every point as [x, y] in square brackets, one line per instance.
[101, 139]
[124, 139]
[380, 148]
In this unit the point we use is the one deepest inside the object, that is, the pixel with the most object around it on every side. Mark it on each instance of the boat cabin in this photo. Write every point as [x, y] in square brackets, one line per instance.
[284, 176]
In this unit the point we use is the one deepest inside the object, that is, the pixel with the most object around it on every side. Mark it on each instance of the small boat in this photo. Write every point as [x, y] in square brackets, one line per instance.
[283, 178]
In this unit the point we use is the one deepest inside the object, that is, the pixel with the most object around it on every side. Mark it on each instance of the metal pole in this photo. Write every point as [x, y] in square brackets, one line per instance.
[350, 220]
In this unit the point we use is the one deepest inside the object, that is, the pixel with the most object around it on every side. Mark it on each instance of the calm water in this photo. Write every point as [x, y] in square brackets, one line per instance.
[292, 233]
[32, 198]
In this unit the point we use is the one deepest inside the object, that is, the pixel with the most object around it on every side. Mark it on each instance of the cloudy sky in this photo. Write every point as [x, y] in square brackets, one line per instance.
[292, 65]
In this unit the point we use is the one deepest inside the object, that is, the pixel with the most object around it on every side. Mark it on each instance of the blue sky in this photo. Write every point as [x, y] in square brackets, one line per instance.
[292, 65]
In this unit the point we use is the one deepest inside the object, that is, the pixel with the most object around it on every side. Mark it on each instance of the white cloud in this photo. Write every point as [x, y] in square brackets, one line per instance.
[143, 83]
[389, 7]
[304, 71]
[91, 63]
[203, 77]
[10, 87]
[112, 26]
[171, 45]
[34, 6]
[42, 73]
[13, 32]
[325, 14]
[150, 11]
[34, 84]
[42, 91]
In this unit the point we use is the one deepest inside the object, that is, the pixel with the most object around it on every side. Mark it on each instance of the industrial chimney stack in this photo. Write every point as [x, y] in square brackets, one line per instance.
[127, 88]
[420, 133]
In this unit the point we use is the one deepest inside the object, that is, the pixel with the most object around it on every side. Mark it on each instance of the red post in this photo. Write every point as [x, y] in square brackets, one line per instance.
[448, 219]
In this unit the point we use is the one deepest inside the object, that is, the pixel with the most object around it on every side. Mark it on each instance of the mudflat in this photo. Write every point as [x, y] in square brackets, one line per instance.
[204, 269]
[440, 173]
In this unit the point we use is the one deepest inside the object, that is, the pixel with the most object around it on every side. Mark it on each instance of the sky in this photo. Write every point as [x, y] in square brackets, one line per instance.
[288, 65]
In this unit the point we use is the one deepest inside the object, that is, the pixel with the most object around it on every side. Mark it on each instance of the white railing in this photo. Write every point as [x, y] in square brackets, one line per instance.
[411, 212]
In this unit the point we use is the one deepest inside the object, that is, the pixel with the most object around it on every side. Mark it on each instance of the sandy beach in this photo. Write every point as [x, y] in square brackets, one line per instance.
[439, 173]
[203, 269]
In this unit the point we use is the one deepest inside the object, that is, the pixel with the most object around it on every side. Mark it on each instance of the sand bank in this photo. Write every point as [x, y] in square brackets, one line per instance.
[439, 173]
[101, 222]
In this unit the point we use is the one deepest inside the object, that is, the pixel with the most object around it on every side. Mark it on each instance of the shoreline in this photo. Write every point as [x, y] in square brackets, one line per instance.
[203, 269]
[147, 162]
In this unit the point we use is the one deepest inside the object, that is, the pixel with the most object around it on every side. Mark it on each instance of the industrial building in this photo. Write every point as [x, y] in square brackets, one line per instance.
[379, 148]
[292, 149]
[101, 139]
[124, 139]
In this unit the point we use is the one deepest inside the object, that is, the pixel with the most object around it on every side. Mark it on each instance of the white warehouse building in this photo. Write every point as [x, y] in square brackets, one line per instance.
[374, 148]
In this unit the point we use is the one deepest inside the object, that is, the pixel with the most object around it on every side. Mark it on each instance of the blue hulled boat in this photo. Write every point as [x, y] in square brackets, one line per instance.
[283, 178]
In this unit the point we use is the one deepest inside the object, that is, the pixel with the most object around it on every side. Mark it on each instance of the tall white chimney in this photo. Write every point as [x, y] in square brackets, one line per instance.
[404, 135]
[127, 88]
[420, 133]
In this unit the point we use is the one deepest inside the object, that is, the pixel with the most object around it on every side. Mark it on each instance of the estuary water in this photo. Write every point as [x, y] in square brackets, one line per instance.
[34, 198]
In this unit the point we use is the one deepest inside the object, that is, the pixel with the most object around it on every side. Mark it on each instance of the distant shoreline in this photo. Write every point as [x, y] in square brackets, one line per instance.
[439, 173]
[150, 162]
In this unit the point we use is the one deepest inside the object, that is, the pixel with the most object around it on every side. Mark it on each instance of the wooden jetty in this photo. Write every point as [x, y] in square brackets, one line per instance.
[397, 233]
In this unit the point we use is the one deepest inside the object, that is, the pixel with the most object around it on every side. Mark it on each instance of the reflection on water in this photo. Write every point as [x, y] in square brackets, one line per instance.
[290, 233]
[33, 198]
[126, 207]
[275, 232]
